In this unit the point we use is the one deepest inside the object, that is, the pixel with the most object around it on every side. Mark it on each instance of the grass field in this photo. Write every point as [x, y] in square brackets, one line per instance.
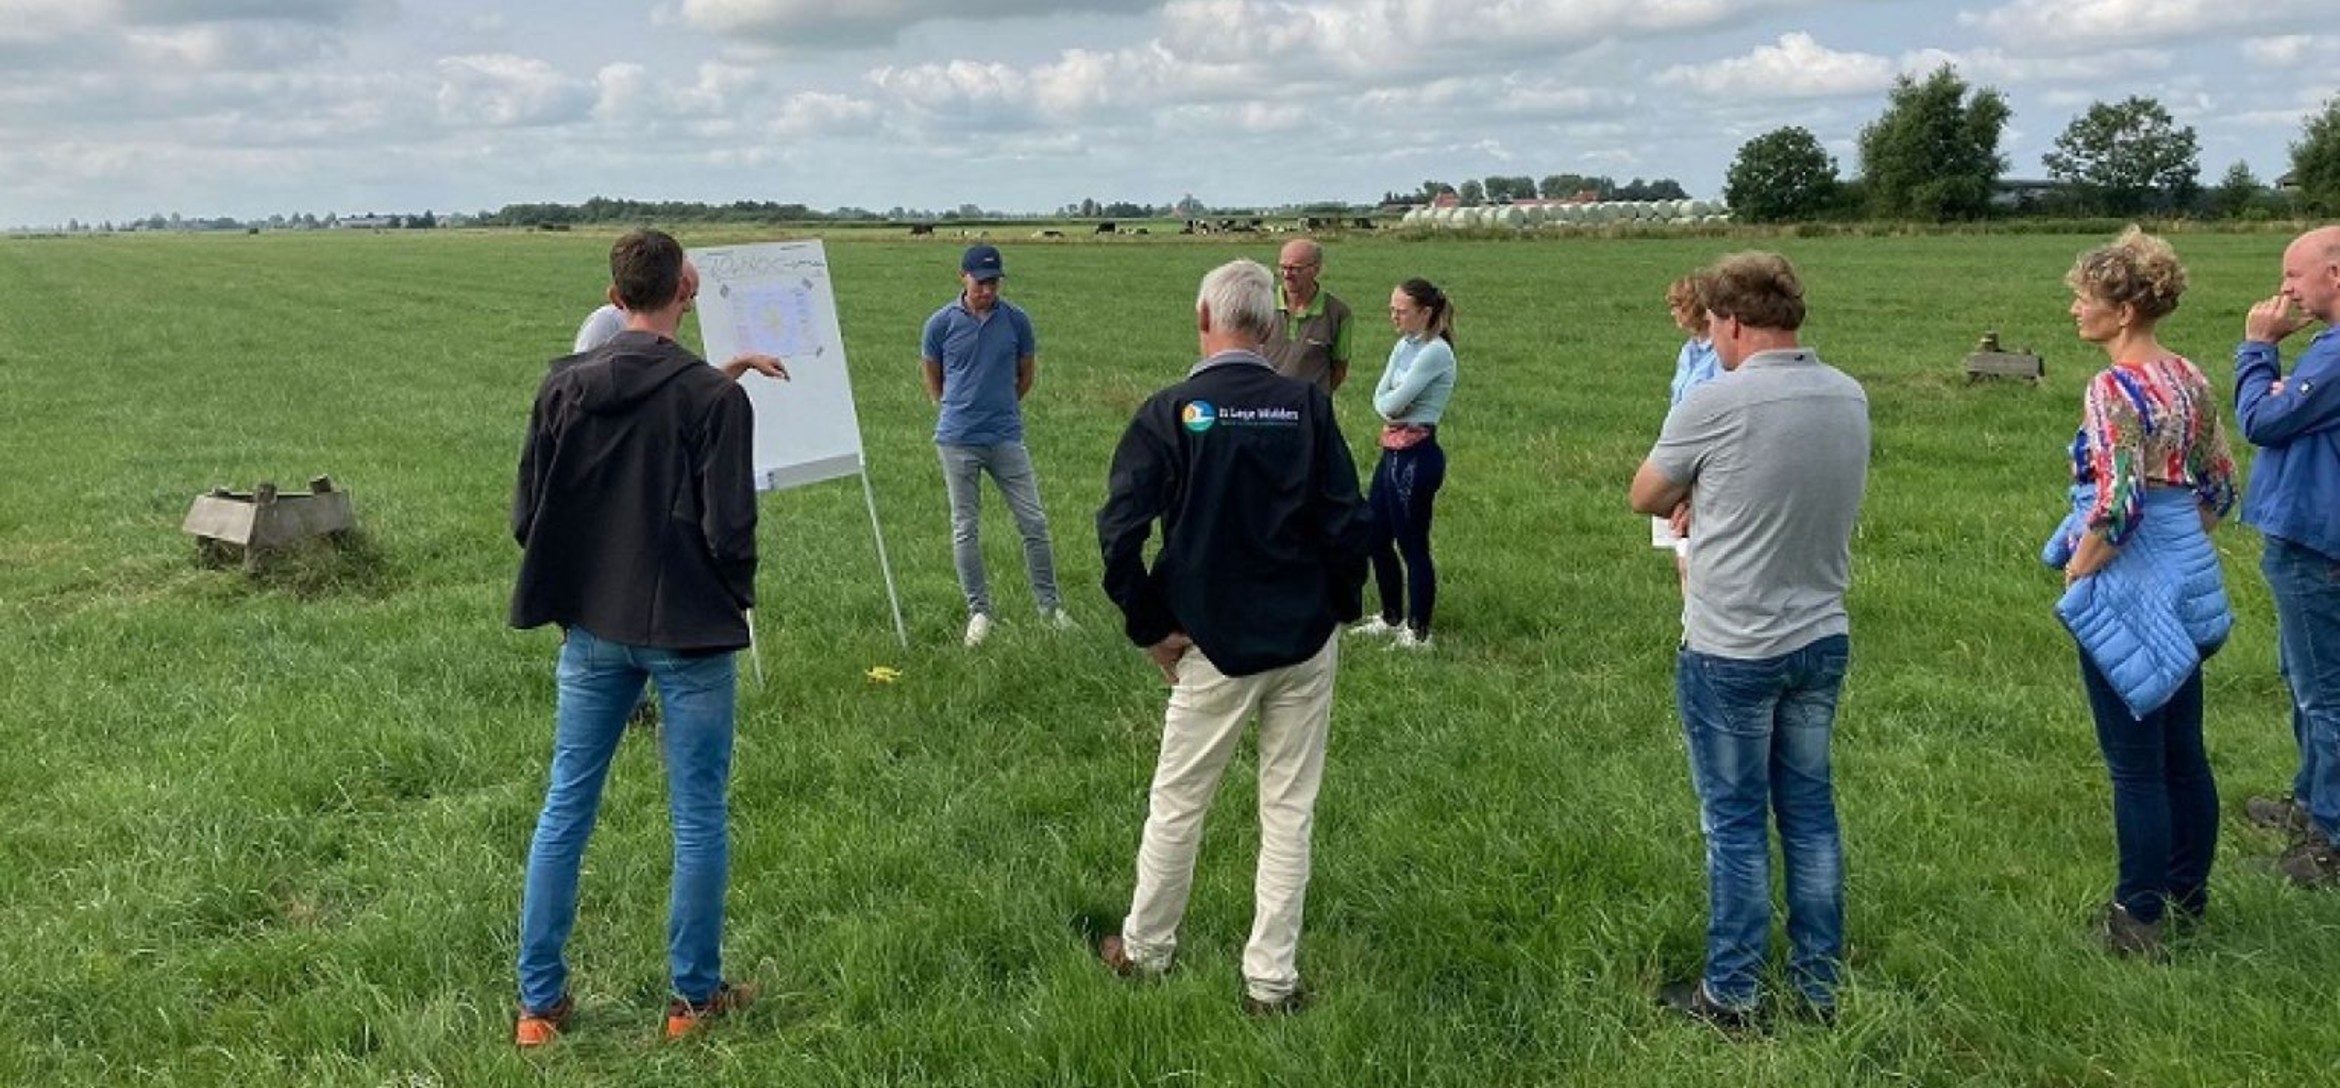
[272, 833]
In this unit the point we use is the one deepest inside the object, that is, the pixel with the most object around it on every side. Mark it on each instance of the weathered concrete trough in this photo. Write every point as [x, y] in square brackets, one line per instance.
[1989, 360]
[253, 526]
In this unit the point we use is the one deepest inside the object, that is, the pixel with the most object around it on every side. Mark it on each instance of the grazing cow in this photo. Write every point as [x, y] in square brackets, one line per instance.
[1105, 227]
[921, 229]
[1048, 234]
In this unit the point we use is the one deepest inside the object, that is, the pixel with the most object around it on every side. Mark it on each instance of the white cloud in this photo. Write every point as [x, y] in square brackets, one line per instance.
[503, 90]
[2283, 51]
[45, 20]
[1403, 37]
[187, 12]
[2073, 26]
[1797, 66]
[819, 113]
[628, 93]
[804, 24]
[220, 47]
[1996, 67]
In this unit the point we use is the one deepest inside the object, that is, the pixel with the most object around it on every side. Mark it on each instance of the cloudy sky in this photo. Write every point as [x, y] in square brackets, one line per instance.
[116, 109]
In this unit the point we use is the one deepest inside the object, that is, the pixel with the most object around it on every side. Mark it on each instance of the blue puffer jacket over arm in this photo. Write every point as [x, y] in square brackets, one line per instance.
[2158, 610]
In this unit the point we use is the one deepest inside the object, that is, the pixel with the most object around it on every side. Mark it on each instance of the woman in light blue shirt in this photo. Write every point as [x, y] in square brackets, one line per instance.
[1411, 397]
[1696, 363]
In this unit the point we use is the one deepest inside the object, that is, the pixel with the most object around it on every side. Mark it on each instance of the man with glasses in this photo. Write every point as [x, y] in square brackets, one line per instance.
[1311, 338]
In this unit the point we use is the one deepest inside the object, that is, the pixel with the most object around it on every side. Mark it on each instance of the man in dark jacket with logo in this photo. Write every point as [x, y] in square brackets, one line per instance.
[636, 516]
[1263, 558]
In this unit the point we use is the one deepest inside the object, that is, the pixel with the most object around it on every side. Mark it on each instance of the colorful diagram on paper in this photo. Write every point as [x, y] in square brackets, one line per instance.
[776, 319]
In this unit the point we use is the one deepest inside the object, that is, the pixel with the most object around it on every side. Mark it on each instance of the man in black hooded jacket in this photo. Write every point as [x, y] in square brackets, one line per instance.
[636, 516]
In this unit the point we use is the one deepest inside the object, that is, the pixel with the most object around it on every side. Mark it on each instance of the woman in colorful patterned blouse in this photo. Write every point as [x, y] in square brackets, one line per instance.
[2153, 449]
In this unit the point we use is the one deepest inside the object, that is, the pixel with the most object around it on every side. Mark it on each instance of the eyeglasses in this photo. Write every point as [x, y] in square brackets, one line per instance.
[1288, 269]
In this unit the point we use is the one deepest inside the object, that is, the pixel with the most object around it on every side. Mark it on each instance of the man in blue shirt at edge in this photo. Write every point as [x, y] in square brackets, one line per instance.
[2293, 499]
[980, 362]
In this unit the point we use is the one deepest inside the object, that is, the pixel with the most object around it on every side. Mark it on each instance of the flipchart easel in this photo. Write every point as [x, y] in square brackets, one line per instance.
[775, 298]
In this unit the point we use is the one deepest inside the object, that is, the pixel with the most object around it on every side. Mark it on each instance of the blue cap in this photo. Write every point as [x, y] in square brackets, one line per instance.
[982, 262]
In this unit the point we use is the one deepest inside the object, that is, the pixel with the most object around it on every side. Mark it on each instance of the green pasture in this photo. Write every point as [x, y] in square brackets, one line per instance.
[271, 833]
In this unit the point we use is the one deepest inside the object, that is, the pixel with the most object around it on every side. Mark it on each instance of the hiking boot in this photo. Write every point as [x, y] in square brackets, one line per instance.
[2310, 863]
[2284, 814]
[2124, 935]
[1690, 999]
[684, 1017]
[533, 1028]
[1267, 1008]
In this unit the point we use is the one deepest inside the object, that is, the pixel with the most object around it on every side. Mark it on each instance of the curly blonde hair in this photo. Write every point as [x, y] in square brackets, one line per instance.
[2136, 269]
[1682, 295]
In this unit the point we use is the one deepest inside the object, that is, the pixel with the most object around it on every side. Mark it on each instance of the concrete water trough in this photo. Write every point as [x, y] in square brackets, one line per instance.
[254, 526]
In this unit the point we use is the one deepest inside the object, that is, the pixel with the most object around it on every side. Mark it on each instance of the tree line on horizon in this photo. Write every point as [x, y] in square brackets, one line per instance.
[1933, 155]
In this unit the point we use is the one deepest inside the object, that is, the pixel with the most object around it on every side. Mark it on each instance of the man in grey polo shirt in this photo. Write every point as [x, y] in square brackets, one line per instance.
[1770, 460]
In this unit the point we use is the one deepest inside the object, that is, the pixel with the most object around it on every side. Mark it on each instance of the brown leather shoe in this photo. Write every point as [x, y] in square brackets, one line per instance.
[1116, 957]
[684, 1017]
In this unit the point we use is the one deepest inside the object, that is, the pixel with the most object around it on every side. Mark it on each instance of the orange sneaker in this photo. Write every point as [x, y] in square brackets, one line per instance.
[534, 1028]
[683, 1017]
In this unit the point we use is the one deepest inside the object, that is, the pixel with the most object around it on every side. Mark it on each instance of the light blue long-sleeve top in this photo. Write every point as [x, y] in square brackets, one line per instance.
[1417, 381]
[1696, 363]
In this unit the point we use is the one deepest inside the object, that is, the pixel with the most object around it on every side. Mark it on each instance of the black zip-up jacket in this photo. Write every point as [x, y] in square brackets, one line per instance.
[636, 506]
[1264, 536]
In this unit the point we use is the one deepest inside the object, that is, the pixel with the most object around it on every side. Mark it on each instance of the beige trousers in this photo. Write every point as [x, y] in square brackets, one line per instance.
[1200, 732]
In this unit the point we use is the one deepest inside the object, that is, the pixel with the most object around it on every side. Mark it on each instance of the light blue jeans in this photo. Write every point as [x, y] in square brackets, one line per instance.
[1758, 733]
[1010, 466]
[598, 683]
[2305, 585]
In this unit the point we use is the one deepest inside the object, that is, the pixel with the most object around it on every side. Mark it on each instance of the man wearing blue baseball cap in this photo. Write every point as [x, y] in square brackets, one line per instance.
[980, 361]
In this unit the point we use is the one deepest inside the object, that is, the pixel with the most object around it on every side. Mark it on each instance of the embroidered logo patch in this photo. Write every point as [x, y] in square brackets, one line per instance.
[1198, 416]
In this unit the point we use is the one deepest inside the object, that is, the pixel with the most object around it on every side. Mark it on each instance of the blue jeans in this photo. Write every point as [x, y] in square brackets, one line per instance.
[1758, 733]
[1010, 466]
[1405, 486]
[598, 682]
[2306, 587]
[2165, 803]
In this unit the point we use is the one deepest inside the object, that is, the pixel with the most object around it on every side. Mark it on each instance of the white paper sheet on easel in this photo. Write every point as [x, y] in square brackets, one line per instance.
[774, 298]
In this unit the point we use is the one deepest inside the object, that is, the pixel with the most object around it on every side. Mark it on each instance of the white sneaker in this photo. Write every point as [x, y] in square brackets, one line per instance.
[978, 629]
[1059, 618]
[1375, 627]
[1408, 640]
